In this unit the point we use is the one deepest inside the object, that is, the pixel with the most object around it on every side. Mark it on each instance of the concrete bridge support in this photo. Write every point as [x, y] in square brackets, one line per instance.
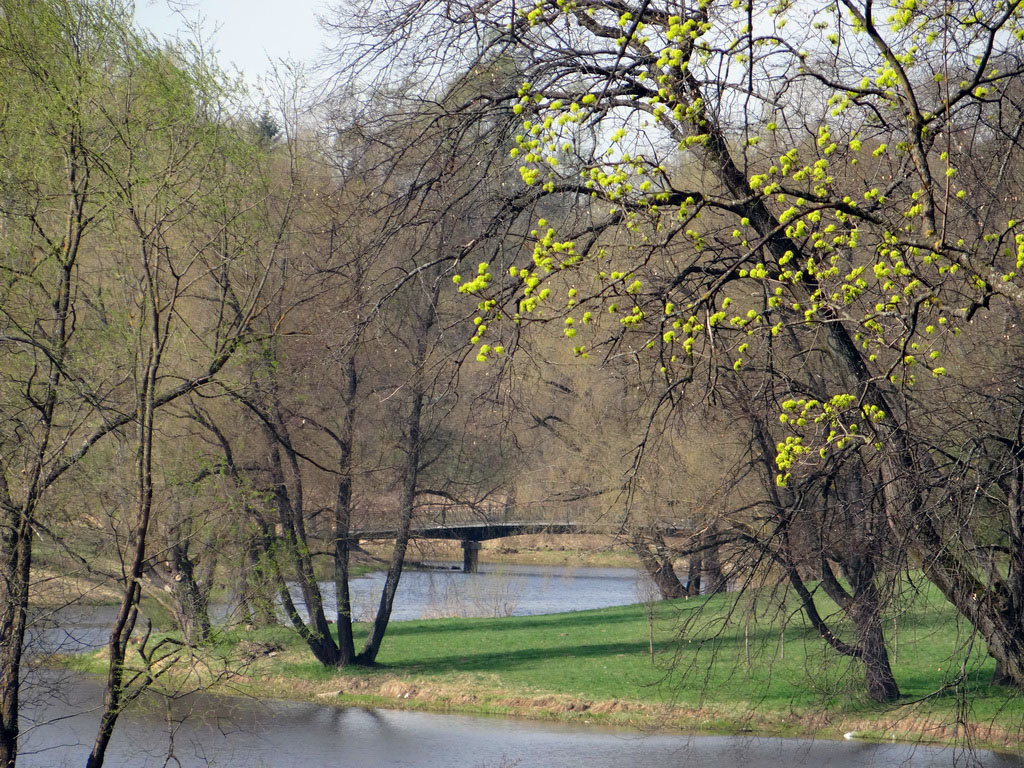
[470, 556]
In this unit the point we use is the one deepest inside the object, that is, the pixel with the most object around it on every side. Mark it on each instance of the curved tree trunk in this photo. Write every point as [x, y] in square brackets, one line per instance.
[863, 604]
[878, 677]
[317, 632]
[425, 320]
[408, 500]
[115, 693]
[880, 682]
[343, 517]
[658, 565]
[16, 554]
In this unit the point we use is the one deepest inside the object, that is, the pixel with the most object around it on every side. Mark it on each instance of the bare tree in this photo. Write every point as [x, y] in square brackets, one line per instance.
[85, 327]
[749, 171]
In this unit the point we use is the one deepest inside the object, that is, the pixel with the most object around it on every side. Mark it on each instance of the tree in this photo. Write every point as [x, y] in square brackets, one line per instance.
[186, 238]
[815, 247]
[754, 172]
[106, 145]
[384, 258]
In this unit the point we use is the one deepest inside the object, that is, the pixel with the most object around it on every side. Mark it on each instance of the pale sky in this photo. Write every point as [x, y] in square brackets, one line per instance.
[244, 33]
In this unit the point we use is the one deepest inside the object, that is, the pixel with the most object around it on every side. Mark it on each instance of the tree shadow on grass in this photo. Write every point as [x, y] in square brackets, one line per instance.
[581, 619]
[503, 660]
[568, 645]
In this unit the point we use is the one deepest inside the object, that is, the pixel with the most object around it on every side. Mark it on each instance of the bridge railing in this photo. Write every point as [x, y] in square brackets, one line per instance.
[494, 513]
[438, 512]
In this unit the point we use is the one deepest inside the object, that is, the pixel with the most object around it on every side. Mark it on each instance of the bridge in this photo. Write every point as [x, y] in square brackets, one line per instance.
[472, 523]
[472, 533]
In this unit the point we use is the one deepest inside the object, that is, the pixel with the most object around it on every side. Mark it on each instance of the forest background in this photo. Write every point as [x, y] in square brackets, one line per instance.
[738, 282]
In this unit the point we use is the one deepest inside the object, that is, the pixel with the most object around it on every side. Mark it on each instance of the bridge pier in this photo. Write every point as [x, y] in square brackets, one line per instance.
[470, 556]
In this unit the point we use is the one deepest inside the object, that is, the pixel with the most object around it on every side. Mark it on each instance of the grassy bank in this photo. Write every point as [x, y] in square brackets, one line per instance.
[726, 673]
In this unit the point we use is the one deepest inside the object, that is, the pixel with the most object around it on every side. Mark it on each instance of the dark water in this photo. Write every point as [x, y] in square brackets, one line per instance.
[213, 731]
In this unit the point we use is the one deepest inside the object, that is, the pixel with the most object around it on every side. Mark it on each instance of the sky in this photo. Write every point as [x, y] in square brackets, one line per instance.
[244, 33]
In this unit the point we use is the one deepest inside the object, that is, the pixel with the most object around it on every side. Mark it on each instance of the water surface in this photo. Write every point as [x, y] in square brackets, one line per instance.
[204, 730]
[498, 590]
[60, 712]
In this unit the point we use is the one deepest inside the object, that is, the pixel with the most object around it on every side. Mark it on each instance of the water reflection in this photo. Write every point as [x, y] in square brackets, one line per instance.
[61, 710]
[203, 730]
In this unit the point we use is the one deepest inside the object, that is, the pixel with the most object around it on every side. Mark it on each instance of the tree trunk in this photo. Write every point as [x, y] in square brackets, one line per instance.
[413, 450]
[343, 518]
[188, 586]
[658, 565]
[1000, 676]
[1010, 593]
[317, 632]
[867, 617]
[114, 697]
[16, 534]
[713, 579]
[864, 608]
[113, 693]
[408, 500]
[16, 551]
[694, 569]
[191, 599]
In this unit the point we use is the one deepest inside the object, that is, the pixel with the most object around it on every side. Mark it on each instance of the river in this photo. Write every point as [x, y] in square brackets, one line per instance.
[60, 714]
[497, 590]
[203, 730]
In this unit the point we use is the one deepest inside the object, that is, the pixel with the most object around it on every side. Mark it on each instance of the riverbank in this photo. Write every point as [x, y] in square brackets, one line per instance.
[573, 550]
[637, 666]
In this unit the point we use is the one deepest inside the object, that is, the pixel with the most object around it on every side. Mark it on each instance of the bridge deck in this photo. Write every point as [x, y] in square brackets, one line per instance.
[471, 534]
[479, 531]
[485, 531]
